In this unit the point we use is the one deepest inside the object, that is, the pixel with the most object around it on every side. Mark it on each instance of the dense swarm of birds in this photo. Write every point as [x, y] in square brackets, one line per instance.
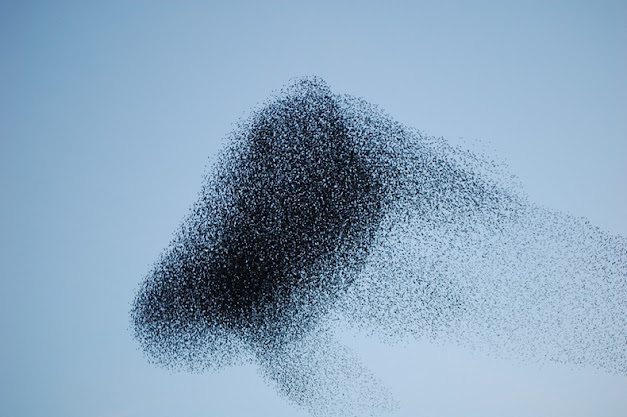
[323, 212]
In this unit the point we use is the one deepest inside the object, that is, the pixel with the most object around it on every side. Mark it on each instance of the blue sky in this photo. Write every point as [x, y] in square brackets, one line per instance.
[110, 111]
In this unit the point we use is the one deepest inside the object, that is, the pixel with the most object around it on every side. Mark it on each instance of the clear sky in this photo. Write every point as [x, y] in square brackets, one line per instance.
[110, 111]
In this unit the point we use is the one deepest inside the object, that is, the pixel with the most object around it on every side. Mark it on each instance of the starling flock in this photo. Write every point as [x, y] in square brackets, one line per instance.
[323, 213]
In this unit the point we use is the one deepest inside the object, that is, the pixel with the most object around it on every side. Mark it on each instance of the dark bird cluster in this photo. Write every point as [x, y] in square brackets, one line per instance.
[323, 212]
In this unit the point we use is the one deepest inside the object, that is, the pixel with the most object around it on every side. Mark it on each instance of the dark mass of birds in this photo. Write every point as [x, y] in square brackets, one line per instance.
[322, 211]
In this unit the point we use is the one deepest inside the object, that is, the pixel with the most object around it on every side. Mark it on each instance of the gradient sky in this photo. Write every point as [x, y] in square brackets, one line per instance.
[110, 111]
